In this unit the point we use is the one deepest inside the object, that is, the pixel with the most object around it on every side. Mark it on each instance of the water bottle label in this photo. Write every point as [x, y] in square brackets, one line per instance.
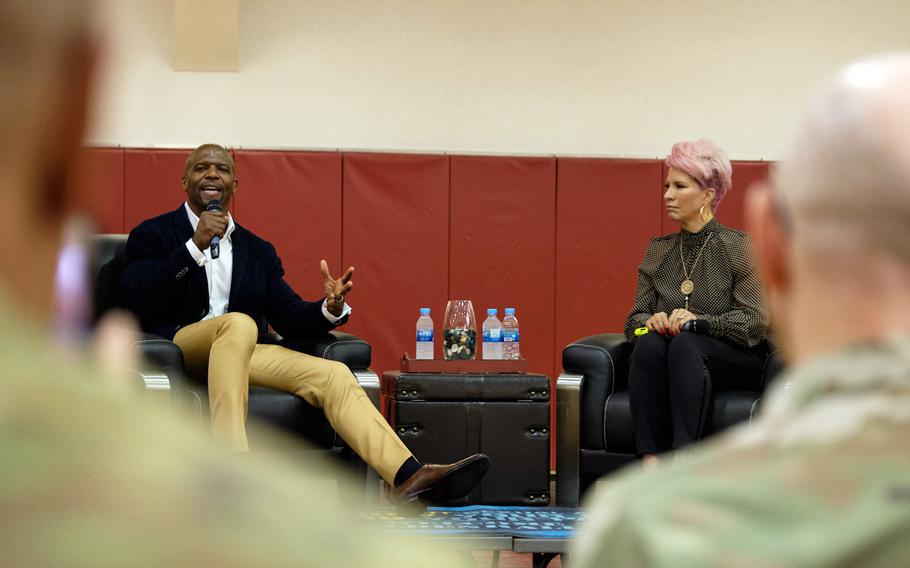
[492, 335]
[424, 335]
[510, 335]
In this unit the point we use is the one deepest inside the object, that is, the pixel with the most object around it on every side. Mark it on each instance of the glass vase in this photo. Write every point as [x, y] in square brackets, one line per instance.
[460, 331]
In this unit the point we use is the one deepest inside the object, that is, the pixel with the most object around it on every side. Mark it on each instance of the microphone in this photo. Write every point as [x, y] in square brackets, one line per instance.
[696, 326]
[215, 244]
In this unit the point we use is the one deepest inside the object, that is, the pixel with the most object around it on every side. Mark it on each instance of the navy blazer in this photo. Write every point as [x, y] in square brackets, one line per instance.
[167, 290]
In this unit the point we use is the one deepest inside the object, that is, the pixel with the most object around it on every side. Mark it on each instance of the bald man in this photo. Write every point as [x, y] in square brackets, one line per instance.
[822, 478]
[88, 478]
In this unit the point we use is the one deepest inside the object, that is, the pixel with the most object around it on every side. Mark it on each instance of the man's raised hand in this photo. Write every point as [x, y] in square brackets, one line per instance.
[335, 290]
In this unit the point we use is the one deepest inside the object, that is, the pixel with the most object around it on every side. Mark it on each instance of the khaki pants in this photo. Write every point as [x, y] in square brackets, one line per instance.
[225, 350]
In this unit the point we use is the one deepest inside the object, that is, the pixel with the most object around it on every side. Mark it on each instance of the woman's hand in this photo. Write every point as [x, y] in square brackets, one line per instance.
[678, 318]
[659, 323]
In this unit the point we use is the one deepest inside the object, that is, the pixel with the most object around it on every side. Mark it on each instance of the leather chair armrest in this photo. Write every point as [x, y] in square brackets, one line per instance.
[568, 430]
[590, 355]
[336, 346]
[160, 364]
[589, 374]
[602, 361]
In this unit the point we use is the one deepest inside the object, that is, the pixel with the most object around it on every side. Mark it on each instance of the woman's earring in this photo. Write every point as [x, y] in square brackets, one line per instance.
[701, 213]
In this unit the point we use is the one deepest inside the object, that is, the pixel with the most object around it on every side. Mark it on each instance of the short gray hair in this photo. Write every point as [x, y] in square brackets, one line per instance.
[848, 172]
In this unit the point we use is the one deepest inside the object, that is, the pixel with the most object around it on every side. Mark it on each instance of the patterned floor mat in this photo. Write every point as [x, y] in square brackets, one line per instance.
[522, 522]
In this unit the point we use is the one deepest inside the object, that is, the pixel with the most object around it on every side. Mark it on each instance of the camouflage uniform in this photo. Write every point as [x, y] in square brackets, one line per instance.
[90, 477]
[822, 478]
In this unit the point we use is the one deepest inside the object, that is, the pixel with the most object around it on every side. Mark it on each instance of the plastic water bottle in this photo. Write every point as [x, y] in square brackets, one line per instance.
[510, 336]
[424, 348]
[492, 336]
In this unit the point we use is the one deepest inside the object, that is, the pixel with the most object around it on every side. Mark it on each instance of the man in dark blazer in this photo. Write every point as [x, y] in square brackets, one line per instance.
[215, 308]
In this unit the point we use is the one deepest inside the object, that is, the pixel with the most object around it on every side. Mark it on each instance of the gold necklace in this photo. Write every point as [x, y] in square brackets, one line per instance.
[687, 286]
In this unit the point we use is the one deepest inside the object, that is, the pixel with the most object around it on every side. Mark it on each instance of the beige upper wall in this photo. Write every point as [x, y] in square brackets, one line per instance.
[621, 77]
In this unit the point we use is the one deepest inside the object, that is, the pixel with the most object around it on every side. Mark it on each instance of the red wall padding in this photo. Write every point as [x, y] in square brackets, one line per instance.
[100, 172]
[732, 208]
[396, 235]
[293, 200]
[607, 211]
[152, 184]
[502, 244]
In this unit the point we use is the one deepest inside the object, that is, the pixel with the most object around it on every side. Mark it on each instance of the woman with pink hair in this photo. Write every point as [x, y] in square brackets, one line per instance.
[700, 300]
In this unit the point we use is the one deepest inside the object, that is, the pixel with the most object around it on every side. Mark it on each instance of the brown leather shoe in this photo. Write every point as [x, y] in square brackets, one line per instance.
[434, 483]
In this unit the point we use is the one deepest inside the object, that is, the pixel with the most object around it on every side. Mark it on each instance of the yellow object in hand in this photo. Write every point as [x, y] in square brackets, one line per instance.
[641, 331]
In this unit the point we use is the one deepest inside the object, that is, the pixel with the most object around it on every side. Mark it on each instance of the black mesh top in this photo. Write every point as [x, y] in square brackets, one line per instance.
[728, 293]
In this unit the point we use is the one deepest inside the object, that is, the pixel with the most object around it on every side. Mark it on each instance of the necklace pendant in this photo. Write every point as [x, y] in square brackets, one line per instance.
[686, 287]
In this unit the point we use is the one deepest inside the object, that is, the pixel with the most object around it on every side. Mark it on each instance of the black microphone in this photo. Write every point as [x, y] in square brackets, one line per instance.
[698, 326]
[215, 244]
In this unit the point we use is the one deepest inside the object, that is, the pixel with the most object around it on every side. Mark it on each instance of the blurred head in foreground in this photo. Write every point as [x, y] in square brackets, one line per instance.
[833, 230]
[47, 59]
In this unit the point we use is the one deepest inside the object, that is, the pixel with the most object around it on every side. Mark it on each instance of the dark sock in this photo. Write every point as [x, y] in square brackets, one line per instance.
[407, 469]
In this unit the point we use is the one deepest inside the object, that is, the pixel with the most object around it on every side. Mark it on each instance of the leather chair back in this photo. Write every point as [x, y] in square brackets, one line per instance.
[107, 263]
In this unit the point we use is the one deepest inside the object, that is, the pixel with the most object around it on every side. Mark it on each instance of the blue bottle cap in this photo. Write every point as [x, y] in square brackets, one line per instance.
[510, 311]
[491, 311]
[424, 311]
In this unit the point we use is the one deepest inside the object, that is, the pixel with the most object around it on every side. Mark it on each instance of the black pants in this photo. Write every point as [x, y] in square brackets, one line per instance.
[671, 380]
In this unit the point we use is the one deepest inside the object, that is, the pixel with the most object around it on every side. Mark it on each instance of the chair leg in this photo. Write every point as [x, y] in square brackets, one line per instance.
[568, 439]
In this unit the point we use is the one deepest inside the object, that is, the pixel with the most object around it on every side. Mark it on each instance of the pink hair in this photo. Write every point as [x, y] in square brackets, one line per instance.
[706, 163]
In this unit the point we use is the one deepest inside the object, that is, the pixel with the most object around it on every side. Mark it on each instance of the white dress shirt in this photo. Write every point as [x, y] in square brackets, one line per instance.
[219, 273]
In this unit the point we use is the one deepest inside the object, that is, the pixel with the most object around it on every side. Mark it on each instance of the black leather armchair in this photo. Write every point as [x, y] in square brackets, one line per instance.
[162, 364]
[595, 434]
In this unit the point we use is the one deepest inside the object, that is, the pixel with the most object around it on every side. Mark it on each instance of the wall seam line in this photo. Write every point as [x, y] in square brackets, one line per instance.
[449, 235]
[341, 215]
[123, 228]
[553, 364]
